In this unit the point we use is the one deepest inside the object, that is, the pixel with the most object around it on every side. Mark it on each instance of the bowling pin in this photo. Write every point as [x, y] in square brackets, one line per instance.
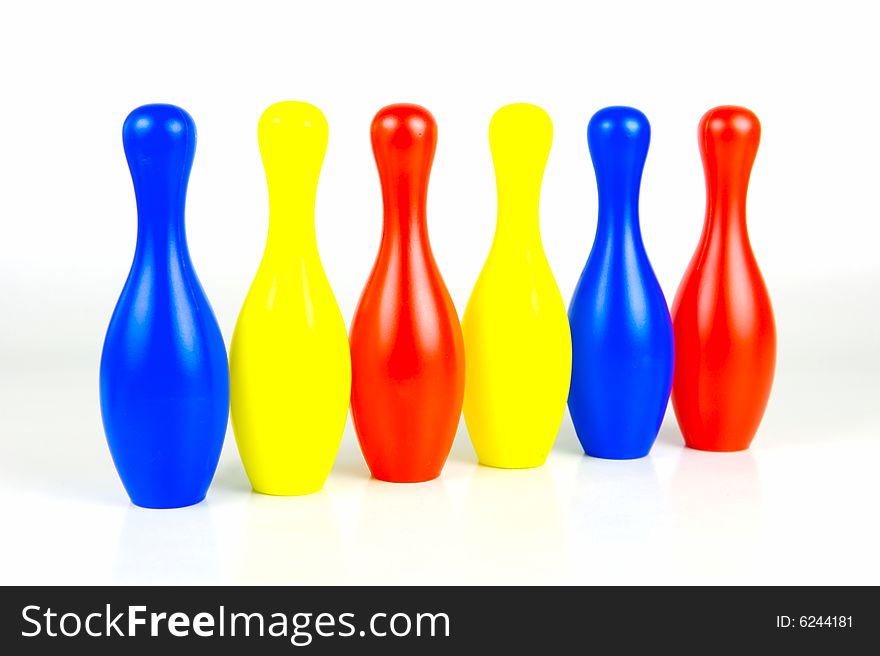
[516, 333]
[620, 326]
[406, 344]
[725, 336]
[164, 379]
[290, 369]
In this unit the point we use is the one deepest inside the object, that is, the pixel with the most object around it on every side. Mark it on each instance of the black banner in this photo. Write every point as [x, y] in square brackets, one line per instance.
[436, 620]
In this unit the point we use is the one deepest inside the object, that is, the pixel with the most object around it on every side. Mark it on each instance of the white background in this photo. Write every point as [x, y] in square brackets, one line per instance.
[800, 507]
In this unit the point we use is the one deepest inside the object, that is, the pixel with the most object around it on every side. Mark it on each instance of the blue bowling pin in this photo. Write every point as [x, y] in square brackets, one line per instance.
[164, 374]
[621, 332]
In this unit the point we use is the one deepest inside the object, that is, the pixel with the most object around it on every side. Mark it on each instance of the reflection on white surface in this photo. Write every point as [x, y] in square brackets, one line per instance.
[280, 539]
[401, 530]
[617, 507]
[166, 547]
[512, 525]
[716, 512]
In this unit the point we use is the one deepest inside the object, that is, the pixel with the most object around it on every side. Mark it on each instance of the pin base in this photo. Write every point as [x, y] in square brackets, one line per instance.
[513, 463]
[287, 491]
[718, 448]
[623, 455]
[165, 504]
[387, 477]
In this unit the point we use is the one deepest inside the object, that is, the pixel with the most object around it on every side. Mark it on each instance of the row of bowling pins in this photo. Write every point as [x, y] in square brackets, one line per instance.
[293, 374]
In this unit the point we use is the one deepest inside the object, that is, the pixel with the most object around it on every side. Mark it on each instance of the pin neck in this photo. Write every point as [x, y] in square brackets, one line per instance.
[726, 205]
[728, 145]
[619, 229]
[619, 213]
[618, 181]
[160, 182]
[405, 210]
[726, 210]
[518, 196]
[291, 214]
[291, 222]
[517, 218]
[618, 221]
[405, 236]
[161, 231]
[727, 225]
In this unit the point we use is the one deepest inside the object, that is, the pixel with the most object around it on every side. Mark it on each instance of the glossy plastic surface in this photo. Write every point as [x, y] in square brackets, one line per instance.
[515, 328]
[621, 329]
[290, 368]
[164, 379]
[725, 335]
[406, 346]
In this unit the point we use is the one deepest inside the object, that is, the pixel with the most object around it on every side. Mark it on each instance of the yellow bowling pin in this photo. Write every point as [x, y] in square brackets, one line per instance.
[516, 335]
[289, 363]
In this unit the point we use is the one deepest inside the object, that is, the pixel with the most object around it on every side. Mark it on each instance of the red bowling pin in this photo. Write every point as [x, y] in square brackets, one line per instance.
[407, 353]
[725, 337]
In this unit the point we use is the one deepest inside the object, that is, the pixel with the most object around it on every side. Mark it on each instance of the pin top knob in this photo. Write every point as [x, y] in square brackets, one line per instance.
[520, 136]
[403, 127]
[729, 138]
[165, 131]
[618, 138]
[159, 143]
[293, 138]
[404, 137]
